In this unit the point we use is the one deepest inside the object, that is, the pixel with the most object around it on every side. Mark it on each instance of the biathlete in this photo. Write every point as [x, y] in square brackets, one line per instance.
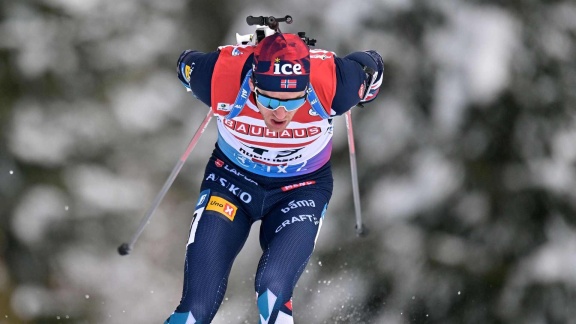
[274, 103]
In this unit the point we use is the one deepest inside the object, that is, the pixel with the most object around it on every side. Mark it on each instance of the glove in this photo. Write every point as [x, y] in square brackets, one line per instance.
[373, 76]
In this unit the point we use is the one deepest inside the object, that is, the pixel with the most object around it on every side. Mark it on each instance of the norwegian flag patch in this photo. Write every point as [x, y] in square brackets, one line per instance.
[288, 84]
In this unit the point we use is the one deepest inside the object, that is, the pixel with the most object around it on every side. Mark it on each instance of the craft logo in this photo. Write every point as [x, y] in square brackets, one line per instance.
[222, 206]
[298, 219]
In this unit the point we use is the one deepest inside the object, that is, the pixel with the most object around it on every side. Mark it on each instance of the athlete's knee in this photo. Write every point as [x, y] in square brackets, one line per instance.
[278, 283]
[278, 276]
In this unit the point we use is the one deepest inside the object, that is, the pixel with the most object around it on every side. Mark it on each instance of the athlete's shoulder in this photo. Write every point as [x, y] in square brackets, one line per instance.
[235, 53]
[234, 59]
[236, 48]
[194, 70]
[320, 55]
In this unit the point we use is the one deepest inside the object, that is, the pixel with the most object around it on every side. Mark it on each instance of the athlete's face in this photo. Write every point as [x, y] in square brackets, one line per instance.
[280, 107]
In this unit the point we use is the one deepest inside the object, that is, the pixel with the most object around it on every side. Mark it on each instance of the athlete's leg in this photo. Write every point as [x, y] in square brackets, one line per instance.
[219, 230]
[287, 235]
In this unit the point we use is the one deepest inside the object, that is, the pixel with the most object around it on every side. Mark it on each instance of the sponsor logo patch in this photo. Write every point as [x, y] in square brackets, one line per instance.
[232, 188]
[320, 54]
[263, 131]
[236, 52]
[222, 206]
[221, 163]
[187, 72]
[202, 199]
[286, 68]
[298, 219]
[298, 185]
[296, 204]
[223, 106]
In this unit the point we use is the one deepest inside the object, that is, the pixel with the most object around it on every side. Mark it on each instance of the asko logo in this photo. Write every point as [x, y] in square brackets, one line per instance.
[287, 68]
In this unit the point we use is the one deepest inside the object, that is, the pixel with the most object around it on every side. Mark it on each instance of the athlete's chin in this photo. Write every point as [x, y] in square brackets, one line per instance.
[277, 126]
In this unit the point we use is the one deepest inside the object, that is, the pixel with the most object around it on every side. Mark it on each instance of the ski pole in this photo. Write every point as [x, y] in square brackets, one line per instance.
[354, 172]
[125, 248]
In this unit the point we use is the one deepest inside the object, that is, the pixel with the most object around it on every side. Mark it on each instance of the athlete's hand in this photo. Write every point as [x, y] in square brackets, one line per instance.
[374, 77]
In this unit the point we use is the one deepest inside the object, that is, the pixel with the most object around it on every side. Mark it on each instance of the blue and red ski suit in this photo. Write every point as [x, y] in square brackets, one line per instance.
[282, 179]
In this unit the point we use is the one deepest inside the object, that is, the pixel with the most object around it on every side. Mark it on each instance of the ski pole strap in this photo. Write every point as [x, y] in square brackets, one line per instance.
[244, 92]
[315, 103]
[241, 98]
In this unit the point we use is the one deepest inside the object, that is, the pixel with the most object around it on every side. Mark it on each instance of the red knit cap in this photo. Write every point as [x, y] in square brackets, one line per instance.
[282, 63]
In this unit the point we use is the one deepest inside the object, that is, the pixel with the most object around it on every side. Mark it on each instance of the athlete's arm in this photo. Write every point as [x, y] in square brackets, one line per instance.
[353, 77]
[195, 72]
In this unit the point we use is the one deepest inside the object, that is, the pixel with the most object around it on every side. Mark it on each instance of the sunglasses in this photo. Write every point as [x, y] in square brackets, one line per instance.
[275, 103]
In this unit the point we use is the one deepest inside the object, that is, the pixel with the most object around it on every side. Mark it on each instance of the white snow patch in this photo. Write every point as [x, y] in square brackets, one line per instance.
[39, 207]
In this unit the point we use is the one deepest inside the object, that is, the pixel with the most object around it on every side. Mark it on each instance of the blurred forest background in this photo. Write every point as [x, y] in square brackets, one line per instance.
[466, 161]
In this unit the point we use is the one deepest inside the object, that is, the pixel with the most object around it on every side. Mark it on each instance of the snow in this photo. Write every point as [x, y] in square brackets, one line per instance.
[106, 145]
[38, 208]
[474, 51]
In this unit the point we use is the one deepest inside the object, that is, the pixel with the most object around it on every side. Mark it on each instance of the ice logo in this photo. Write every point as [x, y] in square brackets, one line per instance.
[287, 68]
